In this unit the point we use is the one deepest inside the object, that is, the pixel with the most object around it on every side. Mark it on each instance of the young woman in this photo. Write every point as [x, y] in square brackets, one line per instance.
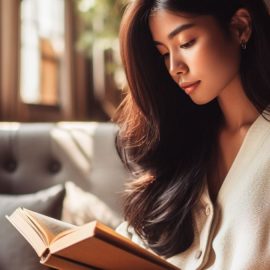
[195, 131]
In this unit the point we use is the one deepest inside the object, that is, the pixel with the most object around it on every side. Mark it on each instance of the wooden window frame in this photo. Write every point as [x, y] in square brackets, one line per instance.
[11, 106]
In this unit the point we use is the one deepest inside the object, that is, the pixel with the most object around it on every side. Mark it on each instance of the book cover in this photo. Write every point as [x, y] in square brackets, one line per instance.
[91, 246]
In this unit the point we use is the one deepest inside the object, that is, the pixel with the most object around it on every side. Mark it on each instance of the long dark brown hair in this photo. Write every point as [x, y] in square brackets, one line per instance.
[166, 140]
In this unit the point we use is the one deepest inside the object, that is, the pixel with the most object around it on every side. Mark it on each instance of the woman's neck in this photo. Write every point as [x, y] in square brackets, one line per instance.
[238, 111]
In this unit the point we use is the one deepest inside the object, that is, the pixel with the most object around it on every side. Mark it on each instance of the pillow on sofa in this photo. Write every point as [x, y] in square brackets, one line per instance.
[81, 207]
[15, 252]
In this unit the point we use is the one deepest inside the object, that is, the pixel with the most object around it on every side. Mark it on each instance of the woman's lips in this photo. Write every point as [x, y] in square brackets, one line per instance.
[189, 87]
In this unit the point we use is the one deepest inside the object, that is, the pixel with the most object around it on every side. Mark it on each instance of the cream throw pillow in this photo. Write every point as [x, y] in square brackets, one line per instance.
[15, 251]
[81, 207]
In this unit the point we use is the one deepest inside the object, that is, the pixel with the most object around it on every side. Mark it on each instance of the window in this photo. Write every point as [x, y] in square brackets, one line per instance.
[42, 44]
[37, 51]
[42, 75]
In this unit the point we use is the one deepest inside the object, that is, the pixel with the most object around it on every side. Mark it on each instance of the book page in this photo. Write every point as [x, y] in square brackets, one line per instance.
[49, 227]
[29, 231]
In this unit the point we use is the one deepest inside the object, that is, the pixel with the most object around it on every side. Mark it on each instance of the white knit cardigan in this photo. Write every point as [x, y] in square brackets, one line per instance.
[233, 233]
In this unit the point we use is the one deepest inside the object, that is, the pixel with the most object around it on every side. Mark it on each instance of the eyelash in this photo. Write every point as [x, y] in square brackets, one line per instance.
[188, 44]
[184, 46]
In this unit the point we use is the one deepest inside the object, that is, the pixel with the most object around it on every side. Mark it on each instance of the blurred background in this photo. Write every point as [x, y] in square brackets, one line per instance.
[59, 60]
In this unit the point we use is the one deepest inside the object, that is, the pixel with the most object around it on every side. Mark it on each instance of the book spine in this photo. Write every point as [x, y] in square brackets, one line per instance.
[61, 263]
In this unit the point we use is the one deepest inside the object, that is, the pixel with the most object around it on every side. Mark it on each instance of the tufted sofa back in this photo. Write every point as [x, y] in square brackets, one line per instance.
[34, 156]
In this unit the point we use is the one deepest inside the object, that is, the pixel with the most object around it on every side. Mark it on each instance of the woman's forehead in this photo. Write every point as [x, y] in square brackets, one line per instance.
[165, 22]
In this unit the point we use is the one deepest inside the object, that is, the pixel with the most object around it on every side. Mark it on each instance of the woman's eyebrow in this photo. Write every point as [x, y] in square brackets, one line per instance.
[180, 29]
[176, 31]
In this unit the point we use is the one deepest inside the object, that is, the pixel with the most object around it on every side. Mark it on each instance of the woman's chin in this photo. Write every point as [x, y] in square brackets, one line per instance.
[201, 100]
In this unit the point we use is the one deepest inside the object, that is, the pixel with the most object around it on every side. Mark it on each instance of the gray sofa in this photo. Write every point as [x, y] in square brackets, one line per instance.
[68, 170]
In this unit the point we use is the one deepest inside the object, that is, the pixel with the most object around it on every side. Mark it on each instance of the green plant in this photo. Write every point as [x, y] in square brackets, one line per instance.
[99, 21]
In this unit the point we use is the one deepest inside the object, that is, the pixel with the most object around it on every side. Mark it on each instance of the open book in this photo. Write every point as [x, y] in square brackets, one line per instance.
[91, 246]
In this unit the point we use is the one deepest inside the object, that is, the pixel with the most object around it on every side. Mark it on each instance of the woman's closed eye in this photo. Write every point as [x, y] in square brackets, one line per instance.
[188, 44]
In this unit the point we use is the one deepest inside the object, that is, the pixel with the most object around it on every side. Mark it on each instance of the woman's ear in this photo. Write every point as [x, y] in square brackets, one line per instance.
[241, 25]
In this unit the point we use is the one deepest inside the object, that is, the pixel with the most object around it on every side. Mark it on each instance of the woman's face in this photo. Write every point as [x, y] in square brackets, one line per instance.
[201, 59]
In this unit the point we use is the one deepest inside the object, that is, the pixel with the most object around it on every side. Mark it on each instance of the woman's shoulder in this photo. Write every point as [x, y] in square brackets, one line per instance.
[128, 231]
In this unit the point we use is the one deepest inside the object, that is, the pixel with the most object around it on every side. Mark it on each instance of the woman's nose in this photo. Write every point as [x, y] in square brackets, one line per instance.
[177, 66]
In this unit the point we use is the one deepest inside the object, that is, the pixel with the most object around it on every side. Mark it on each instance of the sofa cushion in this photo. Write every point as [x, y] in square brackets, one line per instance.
[15, 252]
[81, 207]
[35, 156]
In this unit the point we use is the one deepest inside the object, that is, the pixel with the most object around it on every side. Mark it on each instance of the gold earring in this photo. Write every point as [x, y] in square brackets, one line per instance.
[243, 45]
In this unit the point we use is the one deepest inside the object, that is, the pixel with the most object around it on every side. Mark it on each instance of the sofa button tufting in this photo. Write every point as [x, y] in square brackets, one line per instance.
[10, 165]
[54, 167]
